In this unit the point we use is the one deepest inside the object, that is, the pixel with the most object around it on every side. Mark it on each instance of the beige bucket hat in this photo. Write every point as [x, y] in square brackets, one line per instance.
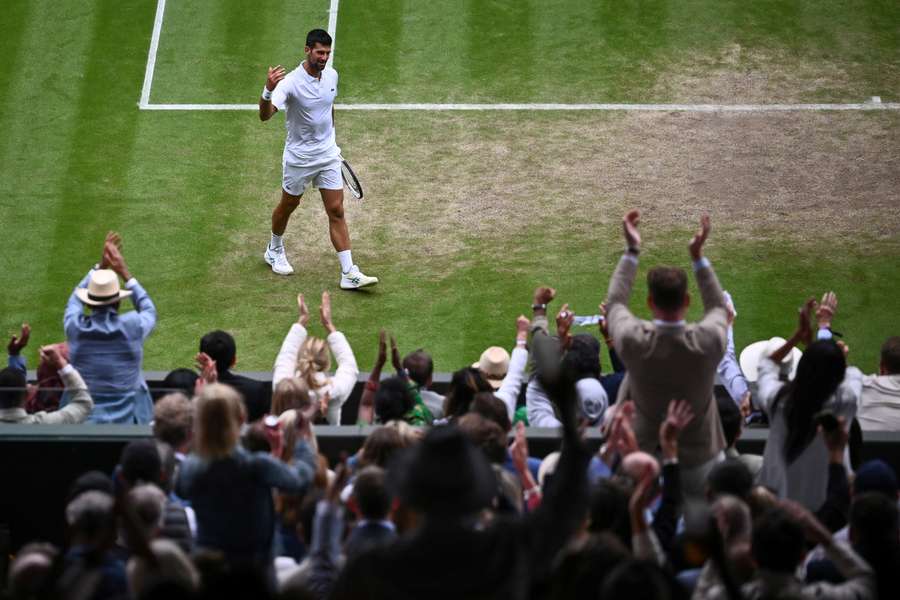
[494, 363]
[753, 354]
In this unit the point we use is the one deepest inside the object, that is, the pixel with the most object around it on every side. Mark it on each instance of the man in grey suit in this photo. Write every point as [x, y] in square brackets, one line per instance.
[667, 358]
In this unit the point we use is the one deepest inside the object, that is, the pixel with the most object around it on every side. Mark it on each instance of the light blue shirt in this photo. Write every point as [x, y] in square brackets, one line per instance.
[107, 348]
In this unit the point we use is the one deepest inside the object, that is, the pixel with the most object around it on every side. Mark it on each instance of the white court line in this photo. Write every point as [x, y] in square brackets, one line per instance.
[144, 103]
[332, 27]
[704, 108]
[151, 55]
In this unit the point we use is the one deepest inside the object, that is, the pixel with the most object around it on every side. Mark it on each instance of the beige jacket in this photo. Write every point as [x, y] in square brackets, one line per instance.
[76, 411]
[667, 361]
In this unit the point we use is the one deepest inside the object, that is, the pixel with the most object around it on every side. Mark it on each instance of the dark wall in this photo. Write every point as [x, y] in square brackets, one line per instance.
[40, 463]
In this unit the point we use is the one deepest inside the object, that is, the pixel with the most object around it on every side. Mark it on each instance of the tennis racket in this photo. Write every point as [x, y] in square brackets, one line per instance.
[351, 180]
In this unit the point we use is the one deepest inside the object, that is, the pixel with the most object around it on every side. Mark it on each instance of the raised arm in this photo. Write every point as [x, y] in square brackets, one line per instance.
[366, 414]
[622, 324]
[347, 370]
[515, 374]
[266, 107]
[286, 361]
[81, 404]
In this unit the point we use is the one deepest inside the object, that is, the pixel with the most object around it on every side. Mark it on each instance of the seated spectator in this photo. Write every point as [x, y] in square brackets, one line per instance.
[795, 462]
[732, 426]
[106, 347]
[231, 489]
[220, 346]
[181, 380]
[464, 385]
[308, 358]
[420, 367]
[373, 503]
[45, 394]
[778, 546]
[394, 401]
[582, 359]
[13, 393]
[879, 404]
[668, 358]
[169, 564]
[505, 373]
[380, 446]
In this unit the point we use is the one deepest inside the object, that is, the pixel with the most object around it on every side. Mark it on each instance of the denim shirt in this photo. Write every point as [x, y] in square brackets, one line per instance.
[232, 497]
[107, 348]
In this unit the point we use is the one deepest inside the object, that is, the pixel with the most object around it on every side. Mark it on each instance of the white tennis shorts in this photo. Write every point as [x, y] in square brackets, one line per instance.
[326, 177]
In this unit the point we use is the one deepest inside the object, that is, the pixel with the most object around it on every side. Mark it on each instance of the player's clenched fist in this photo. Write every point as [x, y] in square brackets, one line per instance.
[275, 75]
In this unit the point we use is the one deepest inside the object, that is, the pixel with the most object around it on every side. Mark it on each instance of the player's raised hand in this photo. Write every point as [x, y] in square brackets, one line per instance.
[274, 75]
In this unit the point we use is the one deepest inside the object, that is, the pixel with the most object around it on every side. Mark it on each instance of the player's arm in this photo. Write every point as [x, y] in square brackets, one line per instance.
[266, 108]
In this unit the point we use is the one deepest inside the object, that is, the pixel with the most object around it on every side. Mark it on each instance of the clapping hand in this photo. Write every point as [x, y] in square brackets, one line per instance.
[696, 245]
[826, 309]
[519, 449]
[395, 357]
[53, 357]
[17, 343]
[522, 325]
[208, 372]
[273, 76]
[381, 358]
[804, 327]
[325, 313]
[303, 311]
[630, 228]
[603, 324]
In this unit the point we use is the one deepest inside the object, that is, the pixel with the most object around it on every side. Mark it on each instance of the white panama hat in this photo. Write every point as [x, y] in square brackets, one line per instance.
[754, 353]
[103, 288]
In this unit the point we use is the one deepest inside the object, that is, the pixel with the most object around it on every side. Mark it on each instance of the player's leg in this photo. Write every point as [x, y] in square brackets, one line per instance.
[293, 183]
[331, 187]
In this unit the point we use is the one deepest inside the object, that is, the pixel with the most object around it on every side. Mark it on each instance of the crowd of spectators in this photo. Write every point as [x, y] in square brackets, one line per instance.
[232, 497]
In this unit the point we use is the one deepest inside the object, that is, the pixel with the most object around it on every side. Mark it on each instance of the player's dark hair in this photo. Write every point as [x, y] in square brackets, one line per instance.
[317, 36]
[220, 347]
[419, 366]
[668, 286]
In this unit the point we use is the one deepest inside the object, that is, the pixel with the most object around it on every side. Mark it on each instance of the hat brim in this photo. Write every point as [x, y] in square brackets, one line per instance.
[494, 383]
[82, 294]
[753, 354]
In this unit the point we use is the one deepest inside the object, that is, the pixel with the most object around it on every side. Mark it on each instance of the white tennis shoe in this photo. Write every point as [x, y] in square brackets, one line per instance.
[355, 279]
[277, 257]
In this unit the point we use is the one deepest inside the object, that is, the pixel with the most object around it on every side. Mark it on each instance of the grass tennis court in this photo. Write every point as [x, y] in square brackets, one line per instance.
[466, 212]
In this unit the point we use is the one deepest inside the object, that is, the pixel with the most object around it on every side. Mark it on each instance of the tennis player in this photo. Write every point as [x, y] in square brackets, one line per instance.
[310, 155]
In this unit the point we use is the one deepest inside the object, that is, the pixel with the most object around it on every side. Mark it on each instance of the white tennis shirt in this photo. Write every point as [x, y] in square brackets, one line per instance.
[307, 102]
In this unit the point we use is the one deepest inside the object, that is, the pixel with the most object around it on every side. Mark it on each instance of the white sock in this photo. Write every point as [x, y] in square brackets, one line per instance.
[276, 242]
[346, 260]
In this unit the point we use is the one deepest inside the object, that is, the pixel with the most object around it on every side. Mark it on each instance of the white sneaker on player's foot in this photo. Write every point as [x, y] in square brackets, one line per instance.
[278, 259]
[355, 279]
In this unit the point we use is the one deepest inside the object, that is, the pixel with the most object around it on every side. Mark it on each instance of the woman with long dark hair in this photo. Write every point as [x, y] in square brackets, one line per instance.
[795, 462]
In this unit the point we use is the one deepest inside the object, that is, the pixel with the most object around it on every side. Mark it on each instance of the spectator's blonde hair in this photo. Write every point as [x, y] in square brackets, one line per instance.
[314, 358]
[291, 393]
[173, 418]
[217, 421]
[287, 422]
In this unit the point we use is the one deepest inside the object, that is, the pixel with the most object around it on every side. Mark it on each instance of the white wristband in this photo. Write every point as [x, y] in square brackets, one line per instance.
[266, 94]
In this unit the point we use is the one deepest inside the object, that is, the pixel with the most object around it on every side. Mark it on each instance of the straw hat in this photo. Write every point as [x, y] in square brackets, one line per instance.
[754, 353]
[103, 288]
[494, 363]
